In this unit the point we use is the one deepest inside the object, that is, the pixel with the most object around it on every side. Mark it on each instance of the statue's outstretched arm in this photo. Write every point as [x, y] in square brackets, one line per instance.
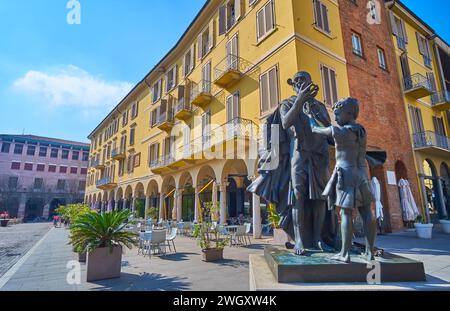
[325, 131]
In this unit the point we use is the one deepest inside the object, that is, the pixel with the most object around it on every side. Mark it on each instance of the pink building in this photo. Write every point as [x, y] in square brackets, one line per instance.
[37, 174]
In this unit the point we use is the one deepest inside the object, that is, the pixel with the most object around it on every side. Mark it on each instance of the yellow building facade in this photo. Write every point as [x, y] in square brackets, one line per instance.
[186, 133]
[423, 61]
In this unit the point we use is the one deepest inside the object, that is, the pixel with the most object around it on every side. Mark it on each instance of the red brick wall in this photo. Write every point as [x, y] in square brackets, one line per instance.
[383, 110]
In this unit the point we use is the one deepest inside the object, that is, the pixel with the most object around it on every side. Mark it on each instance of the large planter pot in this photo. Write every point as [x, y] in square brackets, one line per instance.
[102, 264]
[424, 231]
[445, 225]
[280, 237]
[82, 257]
[4, 222]
[212, 254]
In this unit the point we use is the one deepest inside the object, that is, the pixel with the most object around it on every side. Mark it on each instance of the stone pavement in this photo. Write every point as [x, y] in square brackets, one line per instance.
[16, 240]
[45, 269]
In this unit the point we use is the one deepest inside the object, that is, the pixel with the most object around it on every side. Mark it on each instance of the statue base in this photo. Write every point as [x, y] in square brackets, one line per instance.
[318, 267]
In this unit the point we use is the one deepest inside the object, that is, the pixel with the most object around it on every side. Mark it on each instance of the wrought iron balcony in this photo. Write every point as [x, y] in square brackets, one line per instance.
[106, 183]
[183, 110]
[417, 86]
[97, 164]
[118, 154]
[441, 100]
[431, 141]
[161, 165]
[201, 93]
[230, 70]
[165, 121]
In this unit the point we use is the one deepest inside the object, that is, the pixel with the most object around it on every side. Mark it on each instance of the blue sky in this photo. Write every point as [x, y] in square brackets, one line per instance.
[60, 80]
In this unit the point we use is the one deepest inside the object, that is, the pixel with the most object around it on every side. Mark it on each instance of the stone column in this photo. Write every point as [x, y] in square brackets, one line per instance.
[147, 202]
[22, 205]
[196, 205]
[161, 205]
[256, 207]
[223, 203]
[424, 197]
[214, 197]
[441, 197]
[133, 204]
[116, 205]
[179, 204]
[110, 205]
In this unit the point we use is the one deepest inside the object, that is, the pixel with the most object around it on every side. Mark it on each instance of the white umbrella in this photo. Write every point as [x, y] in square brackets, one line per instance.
[376, 191]
[409, 207]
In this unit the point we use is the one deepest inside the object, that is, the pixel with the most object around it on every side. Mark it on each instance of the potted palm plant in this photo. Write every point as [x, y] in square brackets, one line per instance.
[423, 229]
[102, 236]
[211, 243]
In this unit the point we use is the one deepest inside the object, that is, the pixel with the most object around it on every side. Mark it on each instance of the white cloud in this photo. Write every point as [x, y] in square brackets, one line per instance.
[72, 87]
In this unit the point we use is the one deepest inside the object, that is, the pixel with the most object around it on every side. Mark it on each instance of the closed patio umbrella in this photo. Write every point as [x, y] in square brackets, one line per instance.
[409, 207]
[376, 191]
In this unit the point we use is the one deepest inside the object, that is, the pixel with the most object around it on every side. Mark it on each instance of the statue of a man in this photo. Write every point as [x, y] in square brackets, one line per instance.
[309, 162]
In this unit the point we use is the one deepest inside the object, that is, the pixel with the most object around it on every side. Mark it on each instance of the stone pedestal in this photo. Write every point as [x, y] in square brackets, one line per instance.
[318, 267]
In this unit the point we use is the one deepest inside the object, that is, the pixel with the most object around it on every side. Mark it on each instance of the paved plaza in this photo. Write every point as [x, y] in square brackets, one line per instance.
[45, 267]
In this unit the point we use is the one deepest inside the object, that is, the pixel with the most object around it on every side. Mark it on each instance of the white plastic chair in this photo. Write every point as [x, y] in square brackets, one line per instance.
[144, 239]
[238, 237]
[248, 228]
[158, 239]
[171, 238]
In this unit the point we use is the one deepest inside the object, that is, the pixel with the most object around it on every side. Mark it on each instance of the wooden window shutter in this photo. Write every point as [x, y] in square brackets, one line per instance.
[229, 108]
[333, 86]
[184, 70]
[192, 57]
[405, 65]
[211, 35]
[393, 24]
[317, 11]
[264, 86]
[236, 105]
[222, 20]
[238, 10]
[326, 24]
[260, 24]
[199, 46]
[326, 82]
[405, 35]
[269, 16]
[420, 43]
[175, 75]
[273, 87]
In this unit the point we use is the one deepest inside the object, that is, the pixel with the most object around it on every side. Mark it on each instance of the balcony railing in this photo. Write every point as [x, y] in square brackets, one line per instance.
[201, 93]
[97, 164]
[183, 110]
[230, 70]
[118, 153]
[427, 61]
[441, 100]
[431, 140]
[417, 86]
[105, 183]
[165, 120]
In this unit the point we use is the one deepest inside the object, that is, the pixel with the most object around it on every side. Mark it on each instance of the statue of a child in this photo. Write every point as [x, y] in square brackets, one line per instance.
[349, 187]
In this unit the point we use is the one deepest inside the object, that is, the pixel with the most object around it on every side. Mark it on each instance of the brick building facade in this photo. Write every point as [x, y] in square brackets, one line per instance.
[367, 41]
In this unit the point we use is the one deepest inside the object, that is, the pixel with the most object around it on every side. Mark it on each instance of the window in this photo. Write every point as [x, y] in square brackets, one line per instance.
[75, 155]
[206, 78]
[74, 170]
[65, 154]
[31, 150]
[265, 20]
[125, 118]
[6, 147]
[153, 154]
[416, 120]
[132, 133]
[399, 30]
[38, 183]
[157, 90]
[15, 166]
[381, 58]
[28, 167]
[40, 167]
[100, 140]
[130, 164]
[18, 149]
[229, 15]
[321, 15]
[206, 129]
[233, 109]
[269, 89]
[205, 41]
[134, 110]
[52, 168]
[171, 78]
[13, 182]
[85, 156]
[121, 167]
[83, 171]
[154, 117]
[424, 49]
[189, 61]
[123, 143]
[42, 151]
[81, 185]
[54, 153]
[329, 85]
[356, 44]
[61, 185]
[63, 169]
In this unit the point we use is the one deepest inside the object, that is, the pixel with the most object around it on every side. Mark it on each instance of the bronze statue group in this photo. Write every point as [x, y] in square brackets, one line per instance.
[307, 198]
